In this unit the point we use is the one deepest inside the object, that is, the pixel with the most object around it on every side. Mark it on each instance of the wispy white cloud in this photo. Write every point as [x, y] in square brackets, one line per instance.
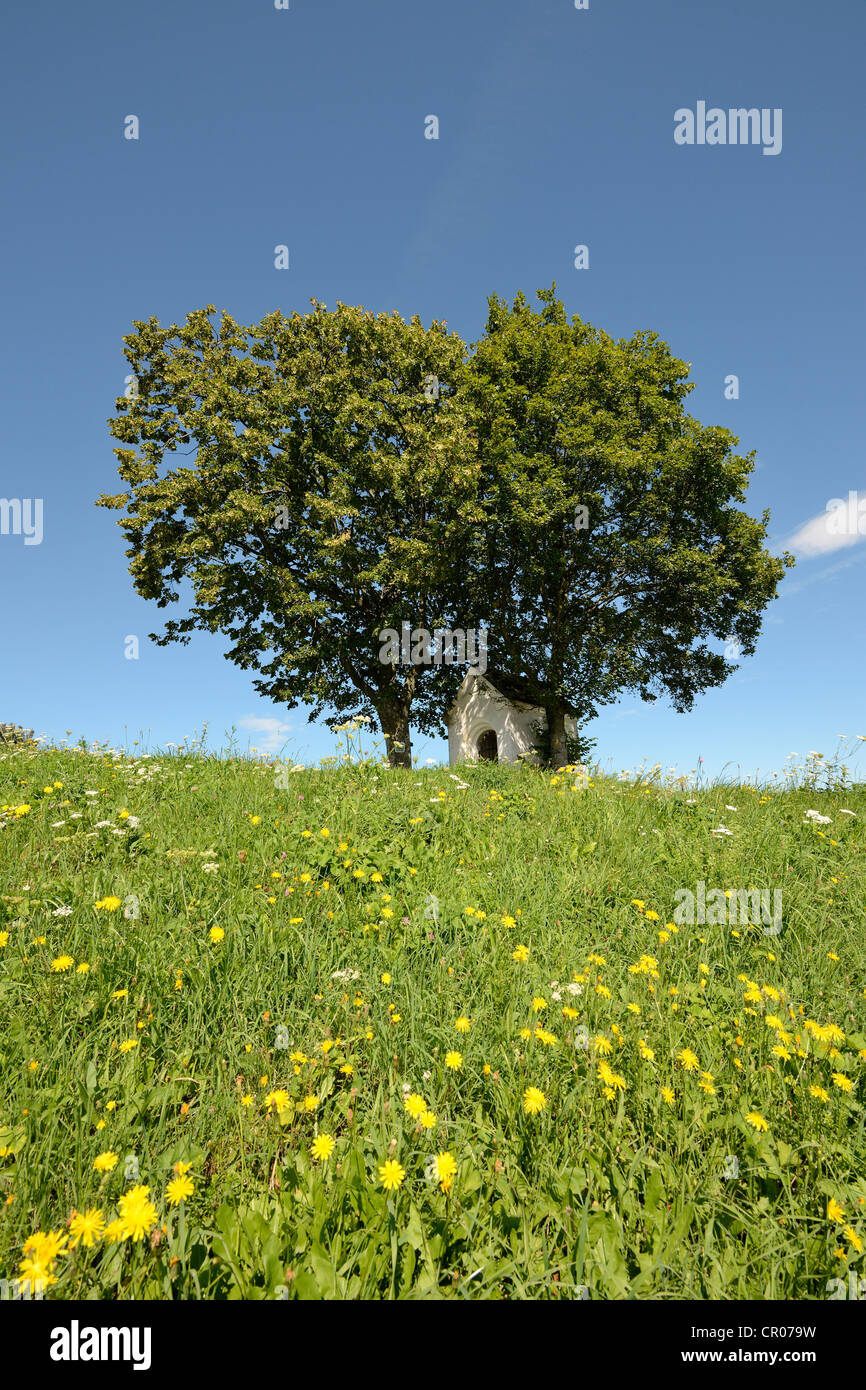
[836, 528]
[270, 734]
[796, 586]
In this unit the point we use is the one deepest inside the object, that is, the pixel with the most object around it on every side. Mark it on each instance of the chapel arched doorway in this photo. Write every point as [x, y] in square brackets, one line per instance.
[488, 750]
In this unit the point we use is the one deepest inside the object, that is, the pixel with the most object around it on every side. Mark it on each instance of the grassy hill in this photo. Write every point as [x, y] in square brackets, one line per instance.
[355, 1032]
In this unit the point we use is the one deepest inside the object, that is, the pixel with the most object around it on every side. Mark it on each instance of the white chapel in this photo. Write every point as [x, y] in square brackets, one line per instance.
[486, 726]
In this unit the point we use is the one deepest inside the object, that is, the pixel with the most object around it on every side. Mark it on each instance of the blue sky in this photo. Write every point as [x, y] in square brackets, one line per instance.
[305, 126]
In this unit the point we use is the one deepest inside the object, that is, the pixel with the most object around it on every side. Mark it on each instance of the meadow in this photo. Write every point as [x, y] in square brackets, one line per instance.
[350, 1032]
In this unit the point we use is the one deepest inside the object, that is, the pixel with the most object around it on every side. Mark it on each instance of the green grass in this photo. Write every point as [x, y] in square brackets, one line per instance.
[619, 1194]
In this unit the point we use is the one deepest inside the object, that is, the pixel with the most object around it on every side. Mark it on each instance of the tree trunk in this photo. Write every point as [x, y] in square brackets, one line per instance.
[394, 719]
[558, 744]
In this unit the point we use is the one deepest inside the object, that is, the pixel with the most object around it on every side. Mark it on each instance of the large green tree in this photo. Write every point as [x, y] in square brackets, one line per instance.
[309, 481]
[614, 547]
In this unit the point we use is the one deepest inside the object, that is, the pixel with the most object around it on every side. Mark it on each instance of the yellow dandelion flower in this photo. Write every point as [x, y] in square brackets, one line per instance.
[277, 1100]
[322, 1147]
[445, 1170]
[534, 1100]
[137, 1212]
[179, 1189]
[85, 1228]
[757, 1121]
[391, 1175]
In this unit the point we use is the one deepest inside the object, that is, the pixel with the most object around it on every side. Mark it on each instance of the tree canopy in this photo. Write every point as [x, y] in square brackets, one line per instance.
[334, 480]
[612, 549]
[351, 472]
